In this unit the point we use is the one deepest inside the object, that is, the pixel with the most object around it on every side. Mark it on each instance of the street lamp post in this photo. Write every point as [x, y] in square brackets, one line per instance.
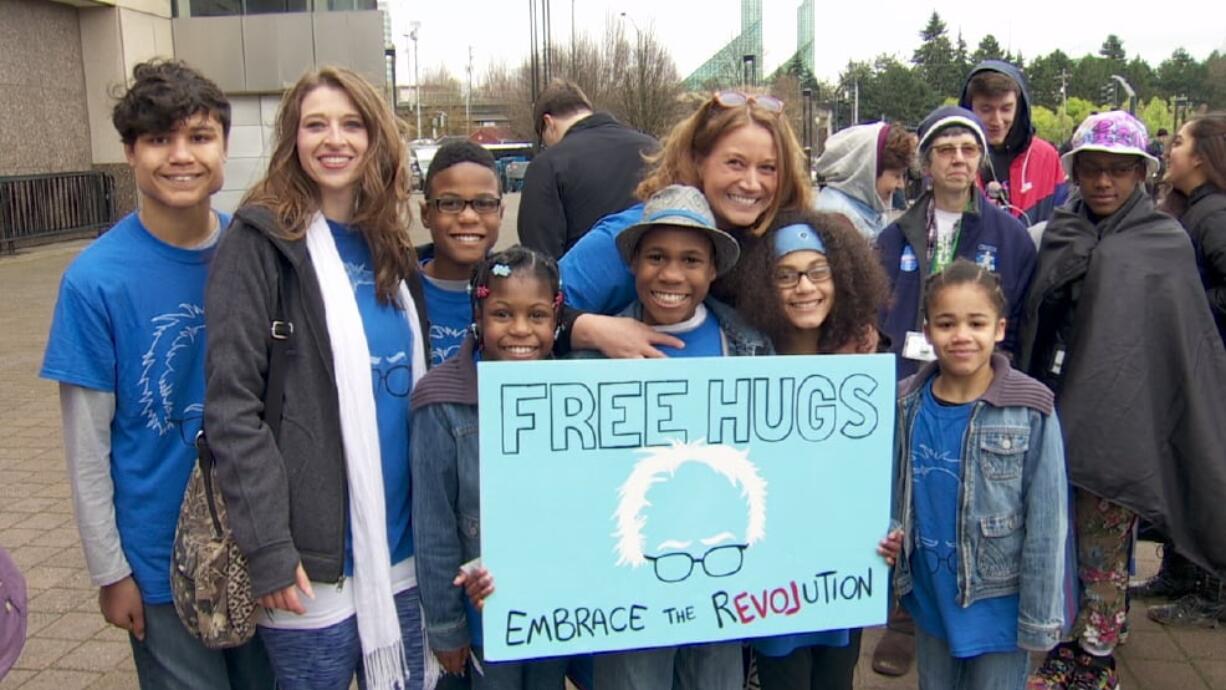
[414, 27]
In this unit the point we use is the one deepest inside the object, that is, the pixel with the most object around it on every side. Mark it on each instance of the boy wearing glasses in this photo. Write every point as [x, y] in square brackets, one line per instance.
[127, 348]
[1117, 325]
[463, 212]
[954, 219]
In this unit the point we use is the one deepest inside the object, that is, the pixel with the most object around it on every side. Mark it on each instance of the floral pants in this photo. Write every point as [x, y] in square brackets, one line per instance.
[1104, 542]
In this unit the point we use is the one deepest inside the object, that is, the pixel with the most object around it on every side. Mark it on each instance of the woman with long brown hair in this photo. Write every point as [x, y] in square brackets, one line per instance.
[317, 481]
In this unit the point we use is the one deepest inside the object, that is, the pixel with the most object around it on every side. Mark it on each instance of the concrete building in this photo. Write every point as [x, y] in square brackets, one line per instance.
[61, 61]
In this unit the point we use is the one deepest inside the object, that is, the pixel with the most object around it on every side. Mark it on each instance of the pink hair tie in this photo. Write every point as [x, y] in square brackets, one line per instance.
[483, 291]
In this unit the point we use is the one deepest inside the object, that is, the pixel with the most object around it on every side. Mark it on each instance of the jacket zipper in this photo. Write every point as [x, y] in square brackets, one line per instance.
[964, 566]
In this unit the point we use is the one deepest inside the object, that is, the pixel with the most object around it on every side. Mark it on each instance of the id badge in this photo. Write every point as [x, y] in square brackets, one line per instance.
[917, 347]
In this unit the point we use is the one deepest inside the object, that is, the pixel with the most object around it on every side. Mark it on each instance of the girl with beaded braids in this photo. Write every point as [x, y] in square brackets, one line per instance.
[516, 299]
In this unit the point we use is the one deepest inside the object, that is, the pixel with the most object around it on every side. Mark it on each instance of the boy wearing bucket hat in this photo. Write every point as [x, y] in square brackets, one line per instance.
[1118, 326]
[675, 253]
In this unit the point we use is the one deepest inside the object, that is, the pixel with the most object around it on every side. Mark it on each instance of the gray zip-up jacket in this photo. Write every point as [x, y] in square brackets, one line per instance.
[286, 497]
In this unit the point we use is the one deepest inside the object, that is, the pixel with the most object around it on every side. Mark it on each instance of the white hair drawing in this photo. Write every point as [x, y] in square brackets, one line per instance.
[659, 465]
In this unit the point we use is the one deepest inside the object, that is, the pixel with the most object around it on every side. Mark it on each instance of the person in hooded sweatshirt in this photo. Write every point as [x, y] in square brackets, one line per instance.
[863, 166]
[1025, 176]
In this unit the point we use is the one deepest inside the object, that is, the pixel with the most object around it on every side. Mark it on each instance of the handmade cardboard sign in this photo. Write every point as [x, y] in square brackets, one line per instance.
[643, 503]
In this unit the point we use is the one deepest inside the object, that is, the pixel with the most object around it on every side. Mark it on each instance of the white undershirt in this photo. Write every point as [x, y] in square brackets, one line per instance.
[333, 602]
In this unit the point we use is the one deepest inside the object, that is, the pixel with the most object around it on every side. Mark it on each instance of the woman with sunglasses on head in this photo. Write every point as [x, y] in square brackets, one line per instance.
[741, 152]
[319, 254]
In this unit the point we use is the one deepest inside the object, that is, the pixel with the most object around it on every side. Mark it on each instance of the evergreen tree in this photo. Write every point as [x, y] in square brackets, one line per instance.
[935, 60]
[1182, 75]
[989, 49]
[1113, 49]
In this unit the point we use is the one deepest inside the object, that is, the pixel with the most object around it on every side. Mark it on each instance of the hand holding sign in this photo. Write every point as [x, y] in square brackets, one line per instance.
[700, 499]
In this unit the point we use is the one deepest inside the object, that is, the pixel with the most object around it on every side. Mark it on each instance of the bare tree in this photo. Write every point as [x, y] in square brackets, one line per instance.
[635, 81]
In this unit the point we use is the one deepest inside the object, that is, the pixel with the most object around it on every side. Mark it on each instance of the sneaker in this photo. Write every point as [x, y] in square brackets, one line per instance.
[1191, 610]
[1094, 673]
[1056, 670]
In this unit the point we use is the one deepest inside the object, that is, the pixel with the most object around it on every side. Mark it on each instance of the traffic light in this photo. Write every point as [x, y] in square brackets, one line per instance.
[1108, 94]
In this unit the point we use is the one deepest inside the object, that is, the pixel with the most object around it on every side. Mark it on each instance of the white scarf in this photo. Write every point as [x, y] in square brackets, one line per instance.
[378, 625]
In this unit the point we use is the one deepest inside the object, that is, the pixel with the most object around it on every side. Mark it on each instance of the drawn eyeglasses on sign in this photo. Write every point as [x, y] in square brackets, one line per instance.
[720, 561]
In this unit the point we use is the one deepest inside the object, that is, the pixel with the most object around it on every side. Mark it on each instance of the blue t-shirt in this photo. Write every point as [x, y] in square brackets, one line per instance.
[450, 312]
[594, 277]
[129, 320]
[988, 625]
[390, 340]
[701, 334]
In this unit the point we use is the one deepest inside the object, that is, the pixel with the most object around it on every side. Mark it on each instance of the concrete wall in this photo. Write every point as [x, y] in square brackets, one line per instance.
[251, 124]
[43, 121]
[113, 40]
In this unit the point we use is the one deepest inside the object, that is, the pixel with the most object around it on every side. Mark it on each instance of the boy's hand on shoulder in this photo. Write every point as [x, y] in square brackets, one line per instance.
[121, 606]
[620, 337]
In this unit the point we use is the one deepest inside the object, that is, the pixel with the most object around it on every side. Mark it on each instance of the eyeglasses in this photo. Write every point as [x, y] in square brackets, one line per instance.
[736, 99]
[397, 379]
[720, 561]
[948, 150]
[455, 205]
[789, 277]
[1118, 171]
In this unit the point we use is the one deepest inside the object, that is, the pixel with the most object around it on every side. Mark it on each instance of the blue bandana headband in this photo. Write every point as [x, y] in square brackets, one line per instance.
[797, 238]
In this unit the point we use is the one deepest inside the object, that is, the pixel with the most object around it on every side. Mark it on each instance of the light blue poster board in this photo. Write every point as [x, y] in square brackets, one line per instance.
[643, 503]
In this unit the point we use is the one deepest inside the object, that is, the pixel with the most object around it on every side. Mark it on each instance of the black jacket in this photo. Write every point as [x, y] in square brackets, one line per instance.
[1205, 221]
[286, 497]
[589, 174]
[1139, 384]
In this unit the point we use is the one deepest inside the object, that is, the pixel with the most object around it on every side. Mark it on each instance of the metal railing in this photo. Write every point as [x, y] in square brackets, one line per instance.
[33, 207]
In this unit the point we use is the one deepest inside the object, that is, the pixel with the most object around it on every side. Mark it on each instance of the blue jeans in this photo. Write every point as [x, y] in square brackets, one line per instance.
[939, 670]
[328, 658]
[543, 674]
[170, 658]
[694, 667]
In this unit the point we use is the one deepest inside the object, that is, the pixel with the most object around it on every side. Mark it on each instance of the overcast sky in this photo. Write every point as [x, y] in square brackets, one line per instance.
[498, 30]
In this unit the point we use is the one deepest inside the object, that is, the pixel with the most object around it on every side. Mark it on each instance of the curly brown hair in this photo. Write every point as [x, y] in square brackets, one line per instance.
[860, 285]
[381, 203]
[693, 138]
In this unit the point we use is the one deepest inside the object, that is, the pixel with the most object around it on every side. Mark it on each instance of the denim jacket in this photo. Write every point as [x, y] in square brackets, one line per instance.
[446, 493]
[1012, 500]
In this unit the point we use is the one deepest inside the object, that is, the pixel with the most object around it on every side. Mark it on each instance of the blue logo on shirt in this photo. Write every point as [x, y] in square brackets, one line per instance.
[985, 257]
[908, 263]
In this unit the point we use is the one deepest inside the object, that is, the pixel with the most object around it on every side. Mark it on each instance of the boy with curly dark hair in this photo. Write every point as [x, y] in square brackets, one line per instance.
[127, 348]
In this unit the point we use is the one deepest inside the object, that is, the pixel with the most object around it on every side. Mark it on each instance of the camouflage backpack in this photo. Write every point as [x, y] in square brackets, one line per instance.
[209, 580]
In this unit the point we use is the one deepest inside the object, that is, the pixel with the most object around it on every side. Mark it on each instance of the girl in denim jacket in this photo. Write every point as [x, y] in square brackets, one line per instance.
[982, 496]
[516, 301]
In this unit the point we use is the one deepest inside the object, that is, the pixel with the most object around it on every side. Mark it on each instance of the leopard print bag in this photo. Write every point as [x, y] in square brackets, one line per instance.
[209, 581]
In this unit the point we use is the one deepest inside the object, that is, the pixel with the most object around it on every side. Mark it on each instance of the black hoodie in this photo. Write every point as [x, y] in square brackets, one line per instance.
[1021, 132]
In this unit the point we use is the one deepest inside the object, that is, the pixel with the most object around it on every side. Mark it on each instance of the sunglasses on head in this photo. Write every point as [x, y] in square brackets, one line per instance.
[736, 99]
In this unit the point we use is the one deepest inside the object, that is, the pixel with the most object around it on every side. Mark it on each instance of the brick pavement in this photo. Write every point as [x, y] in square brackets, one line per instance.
[70, 646]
